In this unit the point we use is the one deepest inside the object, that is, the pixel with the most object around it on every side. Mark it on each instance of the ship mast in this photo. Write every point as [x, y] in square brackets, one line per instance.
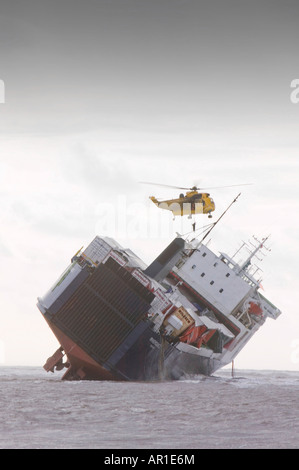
[215, 223]
[247, 262]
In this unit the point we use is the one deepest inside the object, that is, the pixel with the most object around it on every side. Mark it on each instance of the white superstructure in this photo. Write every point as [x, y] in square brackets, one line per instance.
[228, 291]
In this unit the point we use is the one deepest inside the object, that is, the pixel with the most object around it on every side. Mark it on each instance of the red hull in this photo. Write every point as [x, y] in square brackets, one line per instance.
[80, 364]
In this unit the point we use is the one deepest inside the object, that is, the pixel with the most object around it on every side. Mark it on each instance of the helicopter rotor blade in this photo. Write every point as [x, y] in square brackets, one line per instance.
[230, 186]
[165, 185]
[194, 188]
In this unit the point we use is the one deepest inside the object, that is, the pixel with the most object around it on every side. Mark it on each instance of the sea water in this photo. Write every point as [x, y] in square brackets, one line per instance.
[252, 410]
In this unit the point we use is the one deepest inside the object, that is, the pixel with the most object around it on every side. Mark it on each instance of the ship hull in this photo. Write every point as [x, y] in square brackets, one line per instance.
[145, 359]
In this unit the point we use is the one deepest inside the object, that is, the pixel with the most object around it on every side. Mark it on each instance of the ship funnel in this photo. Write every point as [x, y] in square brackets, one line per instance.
[164, 263]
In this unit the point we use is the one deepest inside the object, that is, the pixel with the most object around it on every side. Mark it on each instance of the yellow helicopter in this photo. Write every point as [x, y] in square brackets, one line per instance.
[193, 202]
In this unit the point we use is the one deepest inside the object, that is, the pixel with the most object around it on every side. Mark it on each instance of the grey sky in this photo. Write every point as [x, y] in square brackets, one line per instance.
[68, 64]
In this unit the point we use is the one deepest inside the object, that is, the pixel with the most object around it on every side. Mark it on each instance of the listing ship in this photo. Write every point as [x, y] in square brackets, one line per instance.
[189, 312]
